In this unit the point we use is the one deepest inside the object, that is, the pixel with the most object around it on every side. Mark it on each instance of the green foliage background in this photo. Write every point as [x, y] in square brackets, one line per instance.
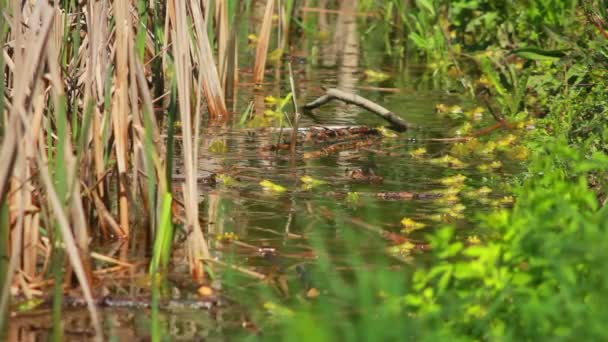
[538, 274]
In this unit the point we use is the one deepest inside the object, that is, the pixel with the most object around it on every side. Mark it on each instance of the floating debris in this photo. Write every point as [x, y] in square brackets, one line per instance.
[270, 186]
[453, 180]
[225, 180]
[397, 195]
[375, 76]
[362, 176]
[310, 182]
[448, 161]
[418, 153]
[495, 165]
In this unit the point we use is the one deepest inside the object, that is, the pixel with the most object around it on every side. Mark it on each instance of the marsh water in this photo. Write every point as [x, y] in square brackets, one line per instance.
[354, 193]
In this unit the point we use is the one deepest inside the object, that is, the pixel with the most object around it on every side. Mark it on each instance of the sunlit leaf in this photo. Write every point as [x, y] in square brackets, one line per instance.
[225, 180]
[453, 180]
[409, 225]
[271, 100]
[278, 310]
[270, 186]
[275, 55]
[352, 197]
[29, 304]
[418, 153]
[218, 146]
[227, 237]
[386, 132]
[402, 249]
[309, 182]
[375, 76]
[448, 161]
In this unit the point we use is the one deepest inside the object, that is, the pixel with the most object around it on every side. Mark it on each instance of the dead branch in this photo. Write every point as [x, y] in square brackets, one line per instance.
[334, 94]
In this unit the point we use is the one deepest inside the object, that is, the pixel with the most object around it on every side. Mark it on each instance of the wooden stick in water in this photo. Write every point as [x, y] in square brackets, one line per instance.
[335, 94]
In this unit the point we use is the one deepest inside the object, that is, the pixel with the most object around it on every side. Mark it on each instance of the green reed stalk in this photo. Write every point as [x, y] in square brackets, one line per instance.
[140, 42]
[163, 240]
[158, 78]
[150, 155]
[61, 179]
[171, 133]
[75, 57]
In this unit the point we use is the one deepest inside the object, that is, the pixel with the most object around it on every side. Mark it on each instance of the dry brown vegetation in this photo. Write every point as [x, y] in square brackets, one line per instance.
[86, 90]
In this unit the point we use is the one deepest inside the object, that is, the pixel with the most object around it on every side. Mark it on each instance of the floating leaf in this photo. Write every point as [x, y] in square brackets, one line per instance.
[441, 108]
[278, 310]
[386, 132]
[352, 197]
[495, 165]
[449, 191]
[447, 200]
[227, 237]
[403, 249]
[275, 55]
[225, 180]
[477, 193]
[410, 225]
[271, 100]
[375, 76]
[448, 161]
[29, 304]
[418, 153]
[270, 186]
[453, 180]
[218, 146]
[310, 182]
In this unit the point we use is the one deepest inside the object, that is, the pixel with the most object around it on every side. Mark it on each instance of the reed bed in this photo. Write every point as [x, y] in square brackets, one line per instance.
[87, 88]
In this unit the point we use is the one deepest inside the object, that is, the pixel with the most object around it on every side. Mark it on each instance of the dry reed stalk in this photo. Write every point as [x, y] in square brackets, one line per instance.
[120, 106]
[223, 37]
[76, 210]
[261, 52]
[28, 96]
[93, 88]
[208, 74]
[196, 245]
[70, 245]
[232, 65]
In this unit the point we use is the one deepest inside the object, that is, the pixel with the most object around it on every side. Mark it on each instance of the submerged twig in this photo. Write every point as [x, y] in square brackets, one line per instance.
[243, 270]
[334, 94]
